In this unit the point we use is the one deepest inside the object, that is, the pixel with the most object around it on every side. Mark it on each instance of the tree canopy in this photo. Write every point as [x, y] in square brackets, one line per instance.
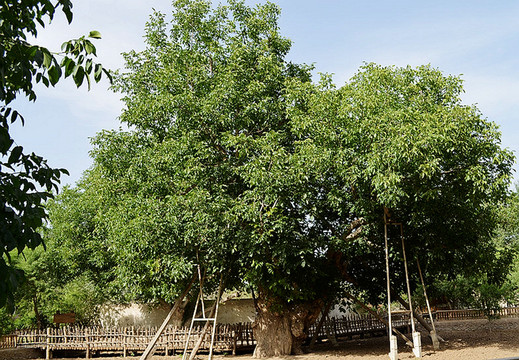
[26, 181]
[236, 160]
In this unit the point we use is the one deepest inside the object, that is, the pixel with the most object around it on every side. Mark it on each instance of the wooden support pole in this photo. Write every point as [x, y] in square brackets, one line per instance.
[393, 347]
[325, 311]
[434, 337]
[330, 333]
[418, 317]
[388, 283]
[407, 278]
[380, 318]
[148, 352]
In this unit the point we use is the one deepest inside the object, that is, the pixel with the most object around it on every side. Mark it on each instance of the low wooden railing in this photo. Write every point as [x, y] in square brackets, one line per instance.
[475, 313]
[228, 338]
[8, 341]
[354, 324]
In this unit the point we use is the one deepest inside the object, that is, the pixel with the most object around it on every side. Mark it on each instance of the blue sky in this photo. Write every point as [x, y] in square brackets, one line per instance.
[475, 39]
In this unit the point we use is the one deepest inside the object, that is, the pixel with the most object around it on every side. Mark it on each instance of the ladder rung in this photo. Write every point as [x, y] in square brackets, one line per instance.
[204, 319]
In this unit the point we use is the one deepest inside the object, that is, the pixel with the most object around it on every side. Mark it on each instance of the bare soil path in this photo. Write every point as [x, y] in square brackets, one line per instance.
[465, 339]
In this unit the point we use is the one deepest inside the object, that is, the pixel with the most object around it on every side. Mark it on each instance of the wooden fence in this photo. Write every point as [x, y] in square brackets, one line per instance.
[474, 313]
[350, 325]
[228, 338]
[8, 341]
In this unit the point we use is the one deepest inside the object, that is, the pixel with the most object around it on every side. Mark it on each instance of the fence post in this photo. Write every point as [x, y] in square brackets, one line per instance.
[87, 332]
[48, 354]
[125, 351]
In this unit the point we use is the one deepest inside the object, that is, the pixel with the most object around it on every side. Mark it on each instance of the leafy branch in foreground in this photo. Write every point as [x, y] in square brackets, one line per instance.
[26, 180]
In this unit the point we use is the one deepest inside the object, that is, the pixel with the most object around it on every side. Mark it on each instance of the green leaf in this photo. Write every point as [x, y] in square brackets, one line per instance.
[6, 111]
[33, 50]
[79, 75]
[88, 81]
[108, 75]
[70, 65]
[54, 75]
[94, 34]
[16, 152]
[47, 58]
[90, 48]
[5, 140]
[68, 12]
[15, 115]
[98, 72]
[88, 66]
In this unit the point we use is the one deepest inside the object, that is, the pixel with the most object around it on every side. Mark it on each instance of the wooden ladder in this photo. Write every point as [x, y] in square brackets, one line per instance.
[204, 318]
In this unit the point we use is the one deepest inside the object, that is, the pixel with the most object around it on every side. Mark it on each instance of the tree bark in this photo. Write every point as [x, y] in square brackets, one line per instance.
[280, 329]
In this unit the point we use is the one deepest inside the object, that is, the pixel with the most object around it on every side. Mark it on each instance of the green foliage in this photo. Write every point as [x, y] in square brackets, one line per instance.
[207, 100]
[401, 138]
[494, 281]
[6, 322]
[235, 160]
[507, 239]
[474, 292]
[73, 274]
[26, 179]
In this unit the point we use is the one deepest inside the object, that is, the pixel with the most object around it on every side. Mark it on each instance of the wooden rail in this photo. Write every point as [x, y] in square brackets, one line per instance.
[8, 341]
[89, 339]
[474, 313]
[228, 338]
[350, 325]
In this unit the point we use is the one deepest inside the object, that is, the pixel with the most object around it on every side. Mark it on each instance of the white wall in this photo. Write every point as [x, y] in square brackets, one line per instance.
[229, 312]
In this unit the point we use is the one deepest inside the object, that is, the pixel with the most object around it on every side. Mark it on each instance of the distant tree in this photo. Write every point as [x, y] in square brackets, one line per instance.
[509, 235]
[76, 270]
[26, 181]
[493, 281]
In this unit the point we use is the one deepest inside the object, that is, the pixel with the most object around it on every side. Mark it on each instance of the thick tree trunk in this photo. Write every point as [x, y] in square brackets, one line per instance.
[281, 329]
[273, 335]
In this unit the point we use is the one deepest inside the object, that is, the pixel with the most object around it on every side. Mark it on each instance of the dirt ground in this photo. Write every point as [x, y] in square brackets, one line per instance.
[466, 339]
